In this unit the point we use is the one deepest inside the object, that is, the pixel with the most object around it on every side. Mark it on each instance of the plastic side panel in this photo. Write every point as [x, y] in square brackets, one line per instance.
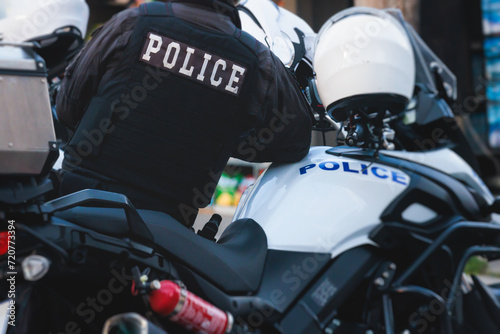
[447, 161]
[323, 203]
[286, 274]
[316, 308]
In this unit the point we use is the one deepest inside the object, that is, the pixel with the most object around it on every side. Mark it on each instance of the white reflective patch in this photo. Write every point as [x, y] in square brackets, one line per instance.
[193, 63]
[219, 63]
[234, 79]
[152, 48]
[206, 58]
[418, 214]
[170, 64]
[184, 70]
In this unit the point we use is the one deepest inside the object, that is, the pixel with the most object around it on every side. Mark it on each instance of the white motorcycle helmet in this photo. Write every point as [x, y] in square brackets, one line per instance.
[23, 20]
[288, 36]
[57, 26]
[363, 60]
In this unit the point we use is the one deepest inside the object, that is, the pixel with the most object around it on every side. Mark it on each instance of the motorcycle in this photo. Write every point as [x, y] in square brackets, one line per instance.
[371, 236]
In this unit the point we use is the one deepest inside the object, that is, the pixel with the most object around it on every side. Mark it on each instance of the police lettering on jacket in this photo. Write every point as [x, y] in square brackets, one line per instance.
[193, 63]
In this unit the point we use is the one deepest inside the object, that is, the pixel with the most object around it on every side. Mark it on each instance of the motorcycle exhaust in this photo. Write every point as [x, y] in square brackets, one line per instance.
[188, 310]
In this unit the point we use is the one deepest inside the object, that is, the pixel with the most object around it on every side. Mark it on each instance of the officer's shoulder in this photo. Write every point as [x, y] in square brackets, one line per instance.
[253, 44]
[127, 14]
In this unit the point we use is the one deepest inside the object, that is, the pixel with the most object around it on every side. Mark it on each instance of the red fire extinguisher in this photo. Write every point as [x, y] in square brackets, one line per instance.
[185, 308]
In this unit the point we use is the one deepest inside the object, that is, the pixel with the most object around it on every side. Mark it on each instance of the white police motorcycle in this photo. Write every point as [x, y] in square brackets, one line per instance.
[368, 237]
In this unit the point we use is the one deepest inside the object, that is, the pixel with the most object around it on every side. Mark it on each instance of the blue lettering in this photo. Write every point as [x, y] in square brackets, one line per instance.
[376, 173]
[399, 178]
[304, 169]
[364, 169]
[347, 169]
[334, 166]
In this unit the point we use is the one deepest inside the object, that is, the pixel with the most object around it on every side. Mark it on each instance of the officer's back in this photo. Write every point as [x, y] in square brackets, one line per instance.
[164, 94]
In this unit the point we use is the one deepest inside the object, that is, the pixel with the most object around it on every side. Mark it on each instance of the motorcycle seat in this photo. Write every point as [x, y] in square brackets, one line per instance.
[235, 263]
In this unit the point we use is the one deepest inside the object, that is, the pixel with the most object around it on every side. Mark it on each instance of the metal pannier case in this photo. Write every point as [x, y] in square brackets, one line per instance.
[26, 127]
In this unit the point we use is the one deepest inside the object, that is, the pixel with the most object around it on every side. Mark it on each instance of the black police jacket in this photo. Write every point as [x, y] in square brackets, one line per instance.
[164, 94]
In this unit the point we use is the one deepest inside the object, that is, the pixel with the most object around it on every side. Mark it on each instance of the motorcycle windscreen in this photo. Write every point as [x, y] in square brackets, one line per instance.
[426, 60]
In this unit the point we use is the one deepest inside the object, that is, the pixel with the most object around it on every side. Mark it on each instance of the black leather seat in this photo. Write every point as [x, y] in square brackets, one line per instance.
[235, 263]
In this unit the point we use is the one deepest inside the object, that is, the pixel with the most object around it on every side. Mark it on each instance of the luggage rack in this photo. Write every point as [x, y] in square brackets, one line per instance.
[99, 198]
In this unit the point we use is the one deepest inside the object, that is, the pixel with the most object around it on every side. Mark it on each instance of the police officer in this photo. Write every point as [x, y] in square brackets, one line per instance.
[164, 94]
